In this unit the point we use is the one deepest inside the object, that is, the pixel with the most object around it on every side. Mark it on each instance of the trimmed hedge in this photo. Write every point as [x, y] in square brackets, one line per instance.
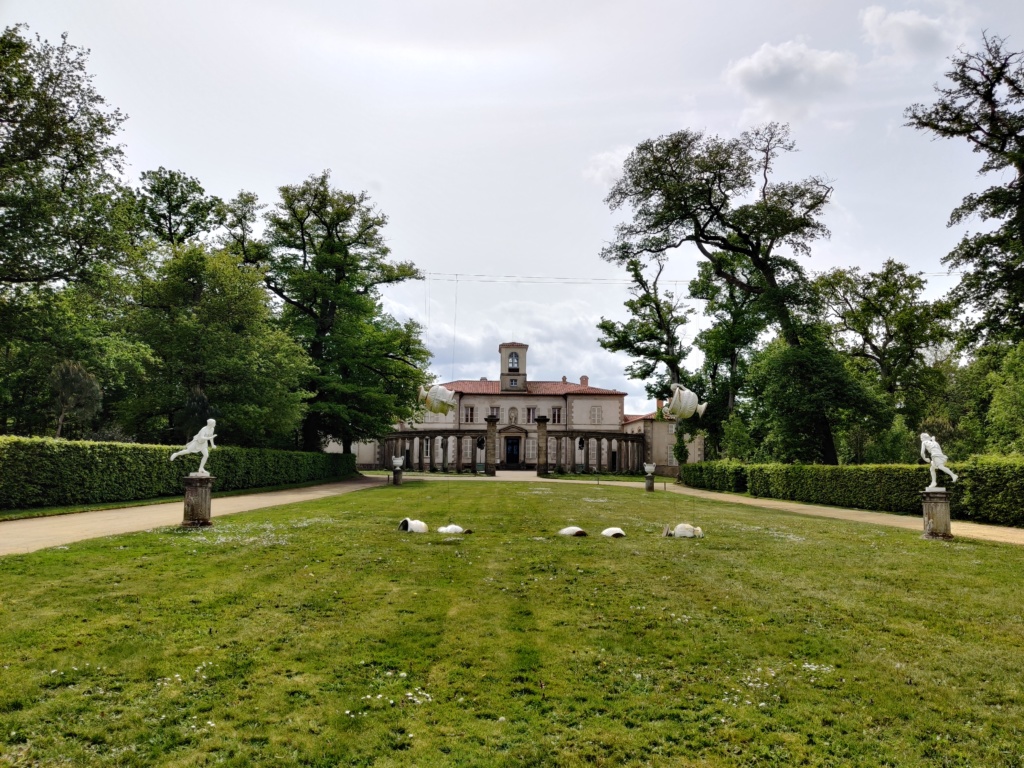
[990, 488]
[43, 472]
[728, 475]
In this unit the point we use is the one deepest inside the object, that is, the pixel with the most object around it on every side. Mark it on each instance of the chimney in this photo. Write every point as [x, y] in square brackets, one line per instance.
[564, 380]
[483, 378]
[660, 404]
[584, 381]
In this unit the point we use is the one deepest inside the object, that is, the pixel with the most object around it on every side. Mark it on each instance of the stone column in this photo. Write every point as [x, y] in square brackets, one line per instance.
[542, 446]
[197, 501]
[420, 440]
[458, 454]
[491, 450]
[433, 451]
[935, 506]
[600, 454]
[649, 442]
[444, 453]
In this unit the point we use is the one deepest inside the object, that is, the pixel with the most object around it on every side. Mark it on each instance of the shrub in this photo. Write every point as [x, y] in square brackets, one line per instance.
[990, 488]
[726, 475]
[39, 472]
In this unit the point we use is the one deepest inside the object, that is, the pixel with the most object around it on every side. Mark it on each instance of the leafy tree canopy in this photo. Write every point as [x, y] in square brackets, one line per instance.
[326, 261]
[58, 163]
[984, 104]
[651, 336]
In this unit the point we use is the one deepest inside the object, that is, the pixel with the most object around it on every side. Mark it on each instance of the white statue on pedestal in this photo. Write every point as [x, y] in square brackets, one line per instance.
[437, 399]
[199, 444]
[930, 446]
[683, 404]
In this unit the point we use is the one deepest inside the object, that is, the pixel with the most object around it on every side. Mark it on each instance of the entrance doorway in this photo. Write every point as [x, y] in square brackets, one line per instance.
[511, 451]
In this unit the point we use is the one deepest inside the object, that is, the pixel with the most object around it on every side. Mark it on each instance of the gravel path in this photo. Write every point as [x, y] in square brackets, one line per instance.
[28, 535]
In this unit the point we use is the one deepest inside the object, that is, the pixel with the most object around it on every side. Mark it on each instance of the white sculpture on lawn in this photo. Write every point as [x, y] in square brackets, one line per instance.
[931, 447]
[437, 399]
[683, 404]
[201, 443]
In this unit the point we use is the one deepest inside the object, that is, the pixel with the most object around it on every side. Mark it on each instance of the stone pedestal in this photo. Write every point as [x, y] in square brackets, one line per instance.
[197, 500]
[935, 505]
[398, 477]
[649, 483]
[542, 446]
[491, 451]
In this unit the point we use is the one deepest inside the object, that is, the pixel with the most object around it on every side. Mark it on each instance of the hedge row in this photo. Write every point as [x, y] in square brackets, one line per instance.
[43, 472]
[990, 488]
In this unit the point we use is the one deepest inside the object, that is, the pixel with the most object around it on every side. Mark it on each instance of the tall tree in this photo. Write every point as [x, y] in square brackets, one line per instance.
[217, 353]
[327, 263]
[651, 335]
[984, 104]
[727, 344]
[58, 163]
[718, 195]
[881, 318]
[175, 208]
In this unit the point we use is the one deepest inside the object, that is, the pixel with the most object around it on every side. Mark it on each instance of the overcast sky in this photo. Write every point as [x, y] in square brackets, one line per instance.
[490, 132]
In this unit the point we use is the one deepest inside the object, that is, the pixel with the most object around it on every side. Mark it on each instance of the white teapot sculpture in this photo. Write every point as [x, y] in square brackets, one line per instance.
[683, 404]
[437, 399]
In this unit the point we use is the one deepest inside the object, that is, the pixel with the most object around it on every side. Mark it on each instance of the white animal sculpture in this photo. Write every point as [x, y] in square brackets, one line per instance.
[572, 530]
[452, 529]
[683, 404]
[437, 399]
[412, 526]
[684, 531]
[613, 533]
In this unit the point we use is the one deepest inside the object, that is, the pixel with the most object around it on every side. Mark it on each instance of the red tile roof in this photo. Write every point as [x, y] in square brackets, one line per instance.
[557, 388]
[512, 344]
[629, 418]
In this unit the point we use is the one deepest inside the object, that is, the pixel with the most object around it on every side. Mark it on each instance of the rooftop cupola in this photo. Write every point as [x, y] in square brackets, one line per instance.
[513, 366]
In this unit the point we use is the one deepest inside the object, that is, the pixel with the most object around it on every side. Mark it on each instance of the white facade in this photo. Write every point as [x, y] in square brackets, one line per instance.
[586, 426]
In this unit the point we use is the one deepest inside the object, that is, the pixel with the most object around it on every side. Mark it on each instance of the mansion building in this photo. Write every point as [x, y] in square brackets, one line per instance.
[513, 422]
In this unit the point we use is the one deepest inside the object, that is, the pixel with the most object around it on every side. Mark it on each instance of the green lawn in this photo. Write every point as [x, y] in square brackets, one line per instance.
[318, 635]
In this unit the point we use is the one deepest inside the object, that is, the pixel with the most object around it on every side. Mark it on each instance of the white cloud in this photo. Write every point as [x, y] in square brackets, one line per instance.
[605, 168]
[786, 80]
[910, 35]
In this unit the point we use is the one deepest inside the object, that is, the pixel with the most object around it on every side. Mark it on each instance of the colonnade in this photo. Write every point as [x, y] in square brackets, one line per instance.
[573, 451]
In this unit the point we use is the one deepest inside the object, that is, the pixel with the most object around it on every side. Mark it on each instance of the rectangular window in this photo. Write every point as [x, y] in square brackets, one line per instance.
[531, 449]
[556, 415]
[671, 427]
[495, 411]
[531, 415]
[595, 414]
[513, 382]
[426, 448]
[468, 412]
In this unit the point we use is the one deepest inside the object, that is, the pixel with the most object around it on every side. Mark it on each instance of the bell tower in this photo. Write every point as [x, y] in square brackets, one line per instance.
[513, 366]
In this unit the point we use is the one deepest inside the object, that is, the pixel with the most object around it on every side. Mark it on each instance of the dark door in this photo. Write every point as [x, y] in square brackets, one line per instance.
[511, 450]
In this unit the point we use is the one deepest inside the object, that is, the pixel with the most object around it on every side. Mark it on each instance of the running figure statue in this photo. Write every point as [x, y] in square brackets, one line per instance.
[198, 444]
[931, 446]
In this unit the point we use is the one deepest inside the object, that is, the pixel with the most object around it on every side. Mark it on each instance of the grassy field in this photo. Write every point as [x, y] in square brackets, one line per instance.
[317, 635]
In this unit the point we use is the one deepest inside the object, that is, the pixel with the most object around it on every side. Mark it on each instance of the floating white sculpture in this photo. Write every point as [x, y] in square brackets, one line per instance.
[572, 530]
[930, 446]
[412, 526]
[437, 399]
[201, 443]
[613, 533]
[683, 404]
